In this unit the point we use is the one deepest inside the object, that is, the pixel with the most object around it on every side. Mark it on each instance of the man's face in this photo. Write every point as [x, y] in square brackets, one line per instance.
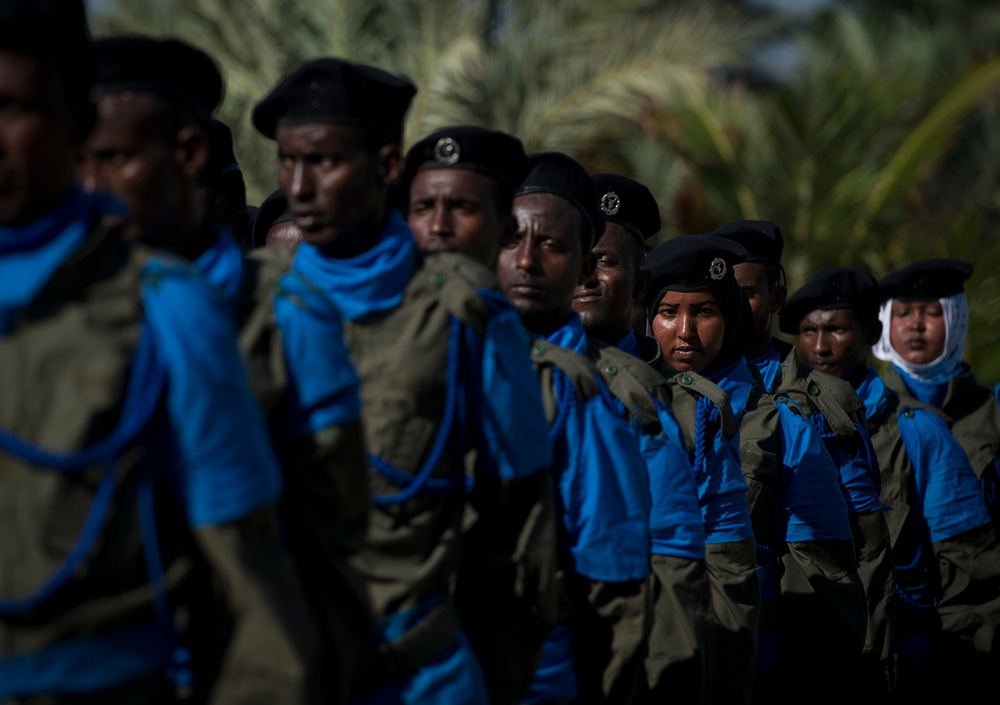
[335, 185]
[764, 301]
[835, 342]
[455, 210]
[604, 299]
[918, 330]
[541, 265]
[689, 328]
[128, 156]
[38, 139]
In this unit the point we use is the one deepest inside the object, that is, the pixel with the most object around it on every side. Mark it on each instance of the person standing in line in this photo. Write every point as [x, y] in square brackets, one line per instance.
[462, 500]
[834, 408]
[139, 551]
[595, 653]
[924, 316]
[149, 148]
[812, 614]
[678, 659]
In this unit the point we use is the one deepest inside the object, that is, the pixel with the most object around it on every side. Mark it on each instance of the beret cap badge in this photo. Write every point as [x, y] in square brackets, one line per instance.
[610, 203]
[447, 151]
[717, 270]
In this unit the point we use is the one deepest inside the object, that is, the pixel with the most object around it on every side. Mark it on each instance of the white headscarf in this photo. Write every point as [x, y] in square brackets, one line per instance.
[956, 323]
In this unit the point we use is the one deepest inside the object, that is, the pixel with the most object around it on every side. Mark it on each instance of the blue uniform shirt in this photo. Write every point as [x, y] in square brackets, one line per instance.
[675, 524]
[947, 491]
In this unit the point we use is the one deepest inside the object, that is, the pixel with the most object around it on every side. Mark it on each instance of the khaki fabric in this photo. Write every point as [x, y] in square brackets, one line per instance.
[677, 655]
[819, 582]
[818, 392]
[609, 622]
[64, 368]
[966, 573]
[493, 552]
[731, 567]
[325, 505]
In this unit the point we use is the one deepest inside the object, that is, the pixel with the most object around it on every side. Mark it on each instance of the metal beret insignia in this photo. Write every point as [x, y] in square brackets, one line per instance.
[447, 151]
[717, 270]
[610, 203]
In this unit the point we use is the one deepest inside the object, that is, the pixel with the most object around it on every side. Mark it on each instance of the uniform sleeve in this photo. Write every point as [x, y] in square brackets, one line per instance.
[609, 638]
[230, 484]
[506, 591]
[675, 518]
[513, 427]
[824, 613]
[327, 501]
[228, 464]
[604, 488]
[964, 542]
[946, 486]
[323, 386]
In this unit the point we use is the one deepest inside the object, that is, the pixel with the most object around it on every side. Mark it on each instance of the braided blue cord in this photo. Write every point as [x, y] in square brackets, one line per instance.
[422, 482]
[145, 384]
[146, 381]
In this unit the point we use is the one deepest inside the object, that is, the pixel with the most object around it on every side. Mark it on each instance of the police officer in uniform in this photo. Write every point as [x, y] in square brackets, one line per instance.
[812, 616]
[943, 544]
[594, 655]
[441, 359]
[679, 264]
[154, 98]
[138, 485]
[924, 317]
[838, 414]
[678, 660]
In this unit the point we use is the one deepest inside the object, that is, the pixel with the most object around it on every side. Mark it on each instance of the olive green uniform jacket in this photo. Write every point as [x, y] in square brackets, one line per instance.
[678, 659]
[235, 599]
[816, 392]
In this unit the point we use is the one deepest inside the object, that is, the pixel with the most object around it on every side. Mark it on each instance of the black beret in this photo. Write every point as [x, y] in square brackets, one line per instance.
[692, 263]
[496, 154]
[221, 157]
[927, 279]
[272, 210]
[170, 68]
[698, 263]
[627, 202]
[563, 176]
[831, 288]
[330, 90]
[50, 28]
[761, 238]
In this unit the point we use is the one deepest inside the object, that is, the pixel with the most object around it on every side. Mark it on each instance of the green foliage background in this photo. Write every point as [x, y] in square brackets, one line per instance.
[878, 147]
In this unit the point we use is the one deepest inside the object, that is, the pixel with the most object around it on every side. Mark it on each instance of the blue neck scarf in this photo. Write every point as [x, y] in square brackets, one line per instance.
[737, 382]
[872, 393]
[768, 365]
[571, 335]
[373, 281]
[931, 393]
[630, 345]
[222, 265]
[31, 254]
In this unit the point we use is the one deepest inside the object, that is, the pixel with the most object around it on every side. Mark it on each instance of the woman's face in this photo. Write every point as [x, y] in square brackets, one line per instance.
[688, 326]
[917, 330]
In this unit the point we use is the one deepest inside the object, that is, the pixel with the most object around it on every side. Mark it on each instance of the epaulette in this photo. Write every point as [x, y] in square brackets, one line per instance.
[632, 381]
[691, 385]
[580, 371]
[836, 398]
[458, 281]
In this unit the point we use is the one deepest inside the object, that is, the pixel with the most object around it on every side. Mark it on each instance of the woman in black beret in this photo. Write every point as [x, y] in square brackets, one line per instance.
[786, 592]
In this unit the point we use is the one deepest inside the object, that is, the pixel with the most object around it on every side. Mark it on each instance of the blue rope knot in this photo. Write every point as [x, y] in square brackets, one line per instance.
[146, 381]
[822, 426]
[706, 415]
[422, 482]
